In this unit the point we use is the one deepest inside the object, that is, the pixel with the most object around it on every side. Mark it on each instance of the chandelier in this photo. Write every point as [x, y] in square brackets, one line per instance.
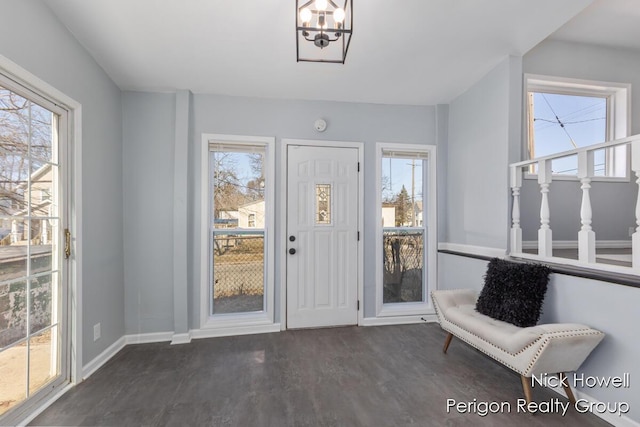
[323, 30]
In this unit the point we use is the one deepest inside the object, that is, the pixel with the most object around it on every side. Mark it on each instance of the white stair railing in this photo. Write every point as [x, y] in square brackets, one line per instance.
[585, 174]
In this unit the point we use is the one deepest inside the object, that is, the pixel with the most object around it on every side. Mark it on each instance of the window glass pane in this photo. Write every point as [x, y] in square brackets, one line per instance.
[40, 303]
[565, 122]
[403, 265]
[13, 371]
[13, 312]
[43, 363]
[403, 230]
[238, 189]
[402, 192]
[238, 186]
[13, 260]
[238, 278]
[41, 137]
[323, 203]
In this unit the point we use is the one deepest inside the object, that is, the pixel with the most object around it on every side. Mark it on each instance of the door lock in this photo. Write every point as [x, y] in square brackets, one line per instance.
[292, 238]
[292, 251]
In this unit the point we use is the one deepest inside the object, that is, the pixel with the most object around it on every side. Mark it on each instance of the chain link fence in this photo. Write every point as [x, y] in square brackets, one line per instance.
[403, 252]
[238, 272]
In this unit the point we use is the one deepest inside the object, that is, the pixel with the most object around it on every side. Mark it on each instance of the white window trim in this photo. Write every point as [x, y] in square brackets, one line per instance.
[618, 112]
[429, 226]
[237, 323]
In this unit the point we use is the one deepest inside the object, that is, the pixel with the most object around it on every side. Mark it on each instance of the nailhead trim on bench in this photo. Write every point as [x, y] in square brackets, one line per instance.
[546, 337]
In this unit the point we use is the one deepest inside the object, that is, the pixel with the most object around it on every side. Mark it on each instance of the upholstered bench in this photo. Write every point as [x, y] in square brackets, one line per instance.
[541, 349]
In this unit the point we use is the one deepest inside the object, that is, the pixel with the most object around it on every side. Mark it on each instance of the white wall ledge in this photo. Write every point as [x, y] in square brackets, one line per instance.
[602, 272]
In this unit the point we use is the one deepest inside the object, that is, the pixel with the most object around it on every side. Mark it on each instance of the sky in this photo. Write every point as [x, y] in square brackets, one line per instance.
[584, 120]
[398, 172]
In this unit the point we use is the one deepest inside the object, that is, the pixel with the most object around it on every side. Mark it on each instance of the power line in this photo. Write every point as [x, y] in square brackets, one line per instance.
[559, 122]
[586, 110]
[569, 123]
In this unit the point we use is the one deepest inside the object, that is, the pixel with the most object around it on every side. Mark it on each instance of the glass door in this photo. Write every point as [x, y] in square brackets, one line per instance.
[32, 286]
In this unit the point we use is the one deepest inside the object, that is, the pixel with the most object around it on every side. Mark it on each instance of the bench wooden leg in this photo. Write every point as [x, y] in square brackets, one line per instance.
[567, 389]
[526, 386]
[447, 341]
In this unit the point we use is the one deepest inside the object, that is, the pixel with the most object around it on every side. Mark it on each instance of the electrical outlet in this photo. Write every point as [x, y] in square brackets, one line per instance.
[631, 231]
[96, 331]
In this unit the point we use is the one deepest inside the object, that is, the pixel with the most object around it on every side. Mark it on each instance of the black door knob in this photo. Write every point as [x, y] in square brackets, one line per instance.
[292, 251]
[292, 238]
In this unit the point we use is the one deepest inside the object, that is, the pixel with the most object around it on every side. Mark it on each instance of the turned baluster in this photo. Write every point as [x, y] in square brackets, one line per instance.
[516, 231]
[635, 238]
[586, 235]
[545, 242]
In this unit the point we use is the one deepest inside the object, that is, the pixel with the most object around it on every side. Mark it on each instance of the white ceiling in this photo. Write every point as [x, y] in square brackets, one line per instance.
[610, 23]
[416, 52]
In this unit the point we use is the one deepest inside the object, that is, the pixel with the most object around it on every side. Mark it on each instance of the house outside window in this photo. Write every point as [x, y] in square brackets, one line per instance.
[566, 114]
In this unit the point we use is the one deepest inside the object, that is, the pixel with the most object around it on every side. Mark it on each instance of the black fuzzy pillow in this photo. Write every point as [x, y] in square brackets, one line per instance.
[513, 292]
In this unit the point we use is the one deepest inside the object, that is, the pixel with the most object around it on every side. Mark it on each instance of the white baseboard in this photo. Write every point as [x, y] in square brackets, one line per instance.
[234, 330]
[103, 358]
[185, 338]
[397, 320]
[613, 419]
[473, 250]
[573, 244]
[181, 338]
[149, 337]
[114, 348]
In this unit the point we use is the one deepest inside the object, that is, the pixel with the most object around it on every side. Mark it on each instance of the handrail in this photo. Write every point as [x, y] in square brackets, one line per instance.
[615, 143]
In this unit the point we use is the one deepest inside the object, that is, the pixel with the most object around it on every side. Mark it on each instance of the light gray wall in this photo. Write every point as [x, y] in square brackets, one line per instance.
[366, 123]
[582, 61]
[478, 156]
[32, 37]
[610, 308]
[149, 131]
[148, 164]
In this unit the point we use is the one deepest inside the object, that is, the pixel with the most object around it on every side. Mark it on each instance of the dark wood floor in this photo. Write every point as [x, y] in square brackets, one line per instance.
[374, 376]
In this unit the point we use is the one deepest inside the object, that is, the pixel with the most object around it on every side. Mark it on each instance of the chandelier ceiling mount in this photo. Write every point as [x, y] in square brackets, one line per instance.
[324, 24]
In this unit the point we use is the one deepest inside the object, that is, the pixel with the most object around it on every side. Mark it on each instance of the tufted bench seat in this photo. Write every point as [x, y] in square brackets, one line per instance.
[554, 348]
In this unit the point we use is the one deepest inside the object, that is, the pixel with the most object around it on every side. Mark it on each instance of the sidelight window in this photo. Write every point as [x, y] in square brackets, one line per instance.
[238, 224]
[406, 236]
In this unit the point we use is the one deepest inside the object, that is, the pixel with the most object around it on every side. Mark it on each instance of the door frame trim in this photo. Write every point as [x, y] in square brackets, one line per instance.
[282, 220]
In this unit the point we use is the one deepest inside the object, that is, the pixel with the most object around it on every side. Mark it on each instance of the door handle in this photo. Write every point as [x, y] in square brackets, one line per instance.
[292, 238]
[67, 243]
[292, 251]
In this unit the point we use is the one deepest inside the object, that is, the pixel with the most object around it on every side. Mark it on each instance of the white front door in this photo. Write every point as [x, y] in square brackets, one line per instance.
[322, 236]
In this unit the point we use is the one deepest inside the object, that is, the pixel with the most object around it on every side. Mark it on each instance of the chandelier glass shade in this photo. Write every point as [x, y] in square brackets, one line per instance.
[323, 30]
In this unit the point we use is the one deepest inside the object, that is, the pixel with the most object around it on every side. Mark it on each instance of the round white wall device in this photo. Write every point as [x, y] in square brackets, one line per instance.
[320, 125]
